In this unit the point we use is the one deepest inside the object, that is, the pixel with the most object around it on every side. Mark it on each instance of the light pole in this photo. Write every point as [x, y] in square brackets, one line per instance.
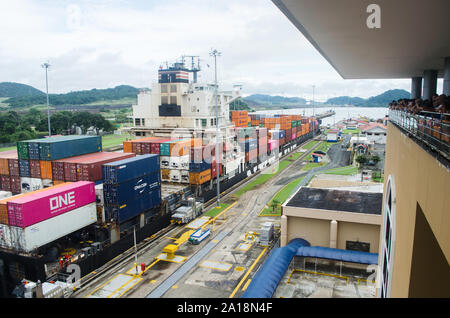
[215, 54]
[314, 86]
[46, 66]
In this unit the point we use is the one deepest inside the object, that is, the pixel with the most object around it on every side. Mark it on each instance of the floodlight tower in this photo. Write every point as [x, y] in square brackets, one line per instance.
[46, 66]
[215, 54]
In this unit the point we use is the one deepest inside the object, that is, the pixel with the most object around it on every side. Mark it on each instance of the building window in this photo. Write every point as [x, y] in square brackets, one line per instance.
[173, 100]
[143, 122]
[164, 100]
[204, 123]
[164, 89]
[173, 88]
[212, 122]
[137, 121]
[388, 241]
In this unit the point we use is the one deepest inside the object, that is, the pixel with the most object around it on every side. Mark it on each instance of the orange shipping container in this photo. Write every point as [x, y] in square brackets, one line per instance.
[200, 177]
[165, 174]
[180, 148]
[46, 169]
[4, 156]
[127, 146]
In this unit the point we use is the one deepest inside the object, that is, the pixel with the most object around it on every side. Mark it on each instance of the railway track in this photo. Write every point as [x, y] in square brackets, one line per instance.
[146, 244]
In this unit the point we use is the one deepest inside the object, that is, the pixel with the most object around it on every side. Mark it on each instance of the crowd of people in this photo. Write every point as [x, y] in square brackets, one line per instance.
[438, 104]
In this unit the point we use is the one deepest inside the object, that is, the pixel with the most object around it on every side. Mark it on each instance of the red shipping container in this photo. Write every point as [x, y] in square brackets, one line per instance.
[15, 185]
[214, 170]
[91, 169]
[35, 169]
[13, 165]
[251, 156]
[58, 170]
[6, 183]
[43, 205]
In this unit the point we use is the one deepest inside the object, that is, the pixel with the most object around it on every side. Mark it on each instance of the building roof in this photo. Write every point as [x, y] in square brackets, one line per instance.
[373, 125]
[337, 200]
[403, 47]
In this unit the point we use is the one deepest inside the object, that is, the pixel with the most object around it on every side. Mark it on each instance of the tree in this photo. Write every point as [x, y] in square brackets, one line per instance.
[361, 160]
[376, 159]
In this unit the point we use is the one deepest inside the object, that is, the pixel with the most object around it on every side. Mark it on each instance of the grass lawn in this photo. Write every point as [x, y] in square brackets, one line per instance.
[8, 148]
[113, 140]
[263, 178]
[351, 131]
[311, 144]
[295, 156]
[343, 171]
[281, 197]
[312, 165]
[216, 210]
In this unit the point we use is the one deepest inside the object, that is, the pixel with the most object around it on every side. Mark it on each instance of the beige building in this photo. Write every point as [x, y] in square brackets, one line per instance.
[363, 40]
[346, 220]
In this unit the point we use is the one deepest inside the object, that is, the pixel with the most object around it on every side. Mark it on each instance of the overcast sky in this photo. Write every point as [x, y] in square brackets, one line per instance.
[105, 43]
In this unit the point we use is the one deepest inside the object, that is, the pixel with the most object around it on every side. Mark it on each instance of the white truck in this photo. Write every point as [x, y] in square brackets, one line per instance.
[189, 210]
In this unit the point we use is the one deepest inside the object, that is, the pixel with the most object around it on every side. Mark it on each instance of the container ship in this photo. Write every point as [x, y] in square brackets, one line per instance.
[65, 200]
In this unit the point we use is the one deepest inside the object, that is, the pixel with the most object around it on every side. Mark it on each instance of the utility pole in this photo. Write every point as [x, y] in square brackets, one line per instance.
[46, 66]
[135, 251]
[215, 54]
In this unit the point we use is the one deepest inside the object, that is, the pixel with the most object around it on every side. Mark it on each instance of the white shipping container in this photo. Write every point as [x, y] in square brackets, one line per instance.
[99, 194]
[5, 194]
[32, 237]
[184, 176]
[184, 162]
[174, 162]
[30, 184]
[175, 175]
[47, 183]
[165, 162]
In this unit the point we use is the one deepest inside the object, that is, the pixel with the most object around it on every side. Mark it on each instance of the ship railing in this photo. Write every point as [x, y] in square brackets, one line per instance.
[431, 128]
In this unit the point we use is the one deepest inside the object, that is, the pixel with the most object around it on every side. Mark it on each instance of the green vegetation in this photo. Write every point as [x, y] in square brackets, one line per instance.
[263, 178]
[8, 148]
[310, 144]
[375, 101]
[268, 100]
[113, 140]
[377, 177]
[15, 127]
[216, 210]
[9, 89]
[280, 197]
[343, 171]
[88, 97]
[312, 165]
[351, 131]
[324, 146]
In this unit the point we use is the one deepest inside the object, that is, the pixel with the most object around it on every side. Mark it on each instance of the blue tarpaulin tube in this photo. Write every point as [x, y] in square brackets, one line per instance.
[266, 280]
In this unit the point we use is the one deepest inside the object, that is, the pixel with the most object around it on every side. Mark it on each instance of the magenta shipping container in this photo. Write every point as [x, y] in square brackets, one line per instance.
[40, 206]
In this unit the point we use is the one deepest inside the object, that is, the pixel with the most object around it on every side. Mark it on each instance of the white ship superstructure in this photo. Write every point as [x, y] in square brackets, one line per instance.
[176, 102]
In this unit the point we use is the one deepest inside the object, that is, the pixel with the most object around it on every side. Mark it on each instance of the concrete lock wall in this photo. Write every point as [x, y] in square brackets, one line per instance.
[419, 180]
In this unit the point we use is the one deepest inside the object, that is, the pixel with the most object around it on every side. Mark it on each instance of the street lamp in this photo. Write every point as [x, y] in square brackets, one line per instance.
[215, 54]
[46, 66]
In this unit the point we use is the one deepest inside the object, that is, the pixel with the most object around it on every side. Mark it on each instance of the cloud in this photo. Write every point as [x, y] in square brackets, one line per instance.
[102, 43]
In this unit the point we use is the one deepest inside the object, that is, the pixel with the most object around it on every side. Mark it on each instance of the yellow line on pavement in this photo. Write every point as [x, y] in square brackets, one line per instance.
[248, 273]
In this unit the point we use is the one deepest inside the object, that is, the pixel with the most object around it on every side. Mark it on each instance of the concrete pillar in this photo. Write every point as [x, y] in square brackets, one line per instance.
[283, 239]
[429, 83]
[446, 89]
[333, 234]
[416, 87]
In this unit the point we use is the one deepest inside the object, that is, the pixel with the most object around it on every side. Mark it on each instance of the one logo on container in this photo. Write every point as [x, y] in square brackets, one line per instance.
[61, 202]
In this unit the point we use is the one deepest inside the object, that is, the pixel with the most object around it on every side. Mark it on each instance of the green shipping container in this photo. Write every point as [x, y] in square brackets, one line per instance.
[22, 149]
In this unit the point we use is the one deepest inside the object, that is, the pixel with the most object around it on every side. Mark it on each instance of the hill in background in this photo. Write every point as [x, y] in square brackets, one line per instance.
[273, 101]
[10, 89]
[381, 100]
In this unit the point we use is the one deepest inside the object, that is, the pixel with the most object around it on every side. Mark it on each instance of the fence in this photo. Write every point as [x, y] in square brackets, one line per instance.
[432, 129]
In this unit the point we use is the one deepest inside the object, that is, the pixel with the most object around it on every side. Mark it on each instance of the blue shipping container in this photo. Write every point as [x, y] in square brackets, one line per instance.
[123, 192]
[60, 147]
[24, 168]
[199, 167]
[33, 150]
[126, 211]
[131, 168]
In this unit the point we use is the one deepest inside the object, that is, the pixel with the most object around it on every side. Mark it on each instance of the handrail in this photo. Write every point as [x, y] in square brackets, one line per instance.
[434, 132]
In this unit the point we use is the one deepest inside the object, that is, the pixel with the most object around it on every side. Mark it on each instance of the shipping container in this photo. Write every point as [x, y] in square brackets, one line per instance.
[175, 175]
[5, 182]
[165, 147]
[33, 150]
[184, 175]
[54, 148]
[24, 168]
[30, 184]
[199, 166]
[200, 177]
[58, 170]
[122, 213]
[15, 184]
[4, 209]
[41, 205]
[28, 239]
[35, 168]
[165, 175]
[99, 197]
[22, 150]
[131, 168]
[118, 194]
[13, 165]
[4, 159]
[165, 162]
[181, 162]
[91, 168]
